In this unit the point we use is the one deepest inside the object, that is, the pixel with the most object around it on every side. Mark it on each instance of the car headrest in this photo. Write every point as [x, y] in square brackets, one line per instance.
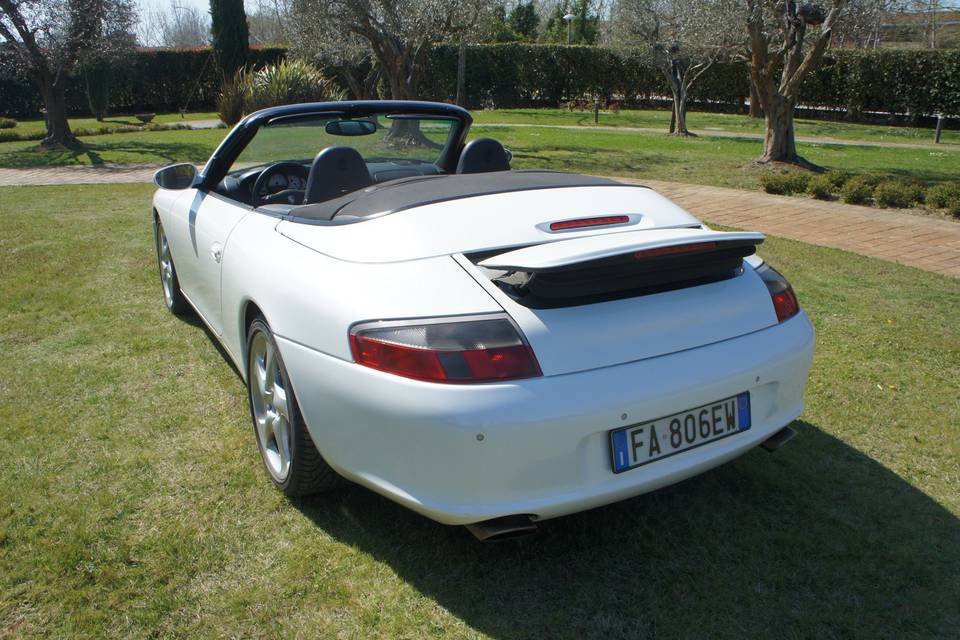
[482, 156]
[336, 171]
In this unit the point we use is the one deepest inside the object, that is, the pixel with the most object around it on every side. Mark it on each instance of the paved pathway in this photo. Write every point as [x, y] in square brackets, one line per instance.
[719, 133]
[78, 175]
[918, 241]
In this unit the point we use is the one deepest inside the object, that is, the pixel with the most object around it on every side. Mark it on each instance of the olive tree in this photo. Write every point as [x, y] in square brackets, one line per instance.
[786, 42]
[49, 38]
[683, 38]
[396, 34]
[347, 55]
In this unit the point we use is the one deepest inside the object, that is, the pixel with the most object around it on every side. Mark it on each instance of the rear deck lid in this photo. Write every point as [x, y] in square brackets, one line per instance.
[553, 255]
[487, 222]
[598, 301]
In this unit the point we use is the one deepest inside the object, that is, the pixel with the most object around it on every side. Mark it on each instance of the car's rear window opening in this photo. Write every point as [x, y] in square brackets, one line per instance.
[623, 276]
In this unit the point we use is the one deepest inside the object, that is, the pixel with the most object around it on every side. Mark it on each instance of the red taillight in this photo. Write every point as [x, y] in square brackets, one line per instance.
[781, 293]
[675, 249]
[440, 351]
[580, 223]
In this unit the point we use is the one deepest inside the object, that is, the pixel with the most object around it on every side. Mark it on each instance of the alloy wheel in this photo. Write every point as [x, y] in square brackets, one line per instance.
[271, 406]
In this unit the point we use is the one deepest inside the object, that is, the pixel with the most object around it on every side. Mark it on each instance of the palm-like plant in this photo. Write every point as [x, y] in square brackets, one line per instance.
[287, 82]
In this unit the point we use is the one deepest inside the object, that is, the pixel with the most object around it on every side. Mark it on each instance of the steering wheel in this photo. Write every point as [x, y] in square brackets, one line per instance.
[284, 196]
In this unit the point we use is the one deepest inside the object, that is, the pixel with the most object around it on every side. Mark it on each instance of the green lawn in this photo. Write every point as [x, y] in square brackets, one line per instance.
[148, 147]
[37, 126]
[707, 122]
[703, 160]
[133, 502]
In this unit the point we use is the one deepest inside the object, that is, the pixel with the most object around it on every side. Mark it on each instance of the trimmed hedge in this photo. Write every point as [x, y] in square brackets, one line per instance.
[158, 80]
[912, 83]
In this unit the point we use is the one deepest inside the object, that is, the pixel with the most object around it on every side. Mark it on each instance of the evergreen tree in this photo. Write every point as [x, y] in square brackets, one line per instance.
[524, 20]
[585, 28]
[231, 36]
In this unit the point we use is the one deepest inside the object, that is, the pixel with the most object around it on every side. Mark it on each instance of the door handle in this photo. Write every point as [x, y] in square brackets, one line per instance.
[216, 252]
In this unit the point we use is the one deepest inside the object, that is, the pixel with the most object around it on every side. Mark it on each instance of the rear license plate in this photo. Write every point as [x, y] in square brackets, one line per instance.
[640, 444]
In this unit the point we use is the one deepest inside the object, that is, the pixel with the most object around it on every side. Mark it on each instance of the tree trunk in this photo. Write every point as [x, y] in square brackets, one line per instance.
[780, 144]
[461, 98]
[680, 110]
[678, 121]
[674, 76]
[406, 133]
[755, 110]
[55, 103]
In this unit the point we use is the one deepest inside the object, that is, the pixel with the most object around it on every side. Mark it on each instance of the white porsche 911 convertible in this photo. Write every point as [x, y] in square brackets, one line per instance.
[484, 346]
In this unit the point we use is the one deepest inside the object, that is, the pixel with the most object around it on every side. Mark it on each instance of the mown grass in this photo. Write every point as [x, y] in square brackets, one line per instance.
[703, 160]
[714, 161]
[705, 123]
[37, 126]
[133, 502]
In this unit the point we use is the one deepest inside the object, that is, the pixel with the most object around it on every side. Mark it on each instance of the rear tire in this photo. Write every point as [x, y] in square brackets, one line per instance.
[291, 460]
[170, 285]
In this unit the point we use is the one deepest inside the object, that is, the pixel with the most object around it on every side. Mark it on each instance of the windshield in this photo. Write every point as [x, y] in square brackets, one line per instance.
[403, 138]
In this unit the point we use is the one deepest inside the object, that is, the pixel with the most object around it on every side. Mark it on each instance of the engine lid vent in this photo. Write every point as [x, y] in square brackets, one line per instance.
[645, 270]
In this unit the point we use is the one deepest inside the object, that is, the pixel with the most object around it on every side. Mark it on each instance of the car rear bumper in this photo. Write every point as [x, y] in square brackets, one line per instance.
[466, 453]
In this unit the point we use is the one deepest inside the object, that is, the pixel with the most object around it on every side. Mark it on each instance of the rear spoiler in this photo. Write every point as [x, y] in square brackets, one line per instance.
[564, 253]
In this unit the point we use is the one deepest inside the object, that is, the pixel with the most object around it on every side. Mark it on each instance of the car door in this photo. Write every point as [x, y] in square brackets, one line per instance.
[198, 236]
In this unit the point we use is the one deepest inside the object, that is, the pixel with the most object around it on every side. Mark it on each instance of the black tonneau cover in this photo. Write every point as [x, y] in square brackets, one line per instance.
[405, 193]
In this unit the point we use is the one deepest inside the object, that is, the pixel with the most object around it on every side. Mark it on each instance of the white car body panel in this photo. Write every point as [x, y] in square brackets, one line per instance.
[545, 440]
[660, 323]
[198, 226]
[550, 255]
[544, 449]
[486, 222]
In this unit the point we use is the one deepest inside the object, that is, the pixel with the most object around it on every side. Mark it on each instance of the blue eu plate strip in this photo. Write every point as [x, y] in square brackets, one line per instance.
[743, 410]
[621, 458]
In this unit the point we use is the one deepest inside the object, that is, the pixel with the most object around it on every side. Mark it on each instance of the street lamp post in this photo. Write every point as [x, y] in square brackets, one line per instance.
[569, 18]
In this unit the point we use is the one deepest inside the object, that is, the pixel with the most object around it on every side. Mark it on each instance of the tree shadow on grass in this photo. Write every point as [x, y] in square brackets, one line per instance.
[585, 160]
[817, 540]
[93, 154]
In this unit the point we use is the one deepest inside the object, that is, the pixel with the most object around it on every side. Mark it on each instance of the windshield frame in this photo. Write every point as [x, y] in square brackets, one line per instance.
[313, 138]
[244, 132]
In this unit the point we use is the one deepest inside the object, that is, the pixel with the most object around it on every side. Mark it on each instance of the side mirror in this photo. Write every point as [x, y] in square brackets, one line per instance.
[509, 155]
[176, 176]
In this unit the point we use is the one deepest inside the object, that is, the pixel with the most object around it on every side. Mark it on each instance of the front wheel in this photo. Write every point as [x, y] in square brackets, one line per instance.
[289, 455]
[175, 300]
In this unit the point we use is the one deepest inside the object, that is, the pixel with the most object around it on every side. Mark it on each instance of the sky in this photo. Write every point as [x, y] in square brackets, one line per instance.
[203, 5]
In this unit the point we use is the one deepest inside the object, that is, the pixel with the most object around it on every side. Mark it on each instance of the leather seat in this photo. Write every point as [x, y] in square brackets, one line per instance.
[336, 171]
[483, 155]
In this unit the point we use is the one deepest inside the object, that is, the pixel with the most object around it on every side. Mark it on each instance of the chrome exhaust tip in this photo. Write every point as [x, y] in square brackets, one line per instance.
[504, 528]
[778, 439]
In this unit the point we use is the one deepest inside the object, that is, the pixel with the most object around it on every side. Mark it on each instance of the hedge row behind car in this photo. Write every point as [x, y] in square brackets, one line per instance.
[914, 83]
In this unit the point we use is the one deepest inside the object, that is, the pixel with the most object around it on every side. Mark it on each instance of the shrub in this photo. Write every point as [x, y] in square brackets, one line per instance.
[945, 196]
[873, 179]
[857, 190]
[837, 178]
[230, 99]
[10, 136]
[96, 86]
[821, 187]
[897, 194]
[785, 184]
[287, 82]
[7, 123]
